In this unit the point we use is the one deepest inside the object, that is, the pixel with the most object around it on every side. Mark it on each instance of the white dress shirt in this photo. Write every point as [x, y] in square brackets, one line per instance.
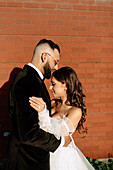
[38, 71]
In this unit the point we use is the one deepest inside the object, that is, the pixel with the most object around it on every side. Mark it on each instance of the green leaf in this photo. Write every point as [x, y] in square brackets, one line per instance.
[96, 161]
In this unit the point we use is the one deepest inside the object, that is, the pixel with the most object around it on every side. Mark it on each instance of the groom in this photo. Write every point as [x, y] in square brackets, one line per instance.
[29, 145]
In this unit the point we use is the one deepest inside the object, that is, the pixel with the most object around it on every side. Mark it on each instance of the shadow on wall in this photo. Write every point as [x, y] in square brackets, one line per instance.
[5, 122]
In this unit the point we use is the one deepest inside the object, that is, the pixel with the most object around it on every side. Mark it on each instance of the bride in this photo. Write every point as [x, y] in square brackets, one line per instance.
[68, 114]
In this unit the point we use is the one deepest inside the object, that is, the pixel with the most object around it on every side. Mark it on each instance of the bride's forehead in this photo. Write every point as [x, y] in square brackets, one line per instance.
[53, 79]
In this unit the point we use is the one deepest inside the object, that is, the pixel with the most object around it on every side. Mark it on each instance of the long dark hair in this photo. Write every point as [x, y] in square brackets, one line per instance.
[75, 96]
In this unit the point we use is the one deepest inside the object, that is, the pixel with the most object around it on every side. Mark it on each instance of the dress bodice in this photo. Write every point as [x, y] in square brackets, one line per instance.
[57, 126]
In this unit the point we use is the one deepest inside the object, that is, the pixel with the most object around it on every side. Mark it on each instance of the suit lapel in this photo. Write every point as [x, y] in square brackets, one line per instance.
[46, 96]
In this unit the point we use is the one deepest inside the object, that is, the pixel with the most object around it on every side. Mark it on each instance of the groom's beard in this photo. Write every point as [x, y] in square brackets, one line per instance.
[47, 71]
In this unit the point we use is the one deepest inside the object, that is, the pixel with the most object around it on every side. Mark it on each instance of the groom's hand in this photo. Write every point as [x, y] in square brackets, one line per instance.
[67, 140]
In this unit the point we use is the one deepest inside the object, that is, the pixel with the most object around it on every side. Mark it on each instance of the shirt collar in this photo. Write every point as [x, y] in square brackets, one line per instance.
[38, 71]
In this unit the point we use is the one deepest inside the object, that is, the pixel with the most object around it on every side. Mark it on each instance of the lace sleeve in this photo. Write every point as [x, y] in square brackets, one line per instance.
[58, 127]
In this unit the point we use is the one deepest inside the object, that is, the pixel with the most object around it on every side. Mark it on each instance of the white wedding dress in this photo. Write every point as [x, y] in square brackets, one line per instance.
[64, 158]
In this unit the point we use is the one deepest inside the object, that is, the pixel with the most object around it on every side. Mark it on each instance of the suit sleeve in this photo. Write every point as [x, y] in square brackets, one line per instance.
[26, 119]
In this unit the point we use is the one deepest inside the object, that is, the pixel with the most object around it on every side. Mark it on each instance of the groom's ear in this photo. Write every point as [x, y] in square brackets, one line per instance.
[44, 57]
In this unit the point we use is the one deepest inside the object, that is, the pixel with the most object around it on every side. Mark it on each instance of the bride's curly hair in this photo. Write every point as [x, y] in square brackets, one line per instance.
[75, 96]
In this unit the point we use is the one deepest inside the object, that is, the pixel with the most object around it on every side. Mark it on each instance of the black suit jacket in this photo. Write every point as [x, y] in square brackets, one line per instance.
[29, 145]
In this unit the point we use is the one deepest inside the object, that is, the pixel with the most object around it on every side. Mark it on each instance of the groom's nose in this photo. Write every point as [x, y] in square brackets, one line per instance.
[56, 67]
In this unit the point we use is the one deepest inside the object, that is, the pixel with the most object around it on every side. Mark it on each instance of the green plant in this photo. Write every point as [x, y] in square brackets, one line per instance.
[100, 165]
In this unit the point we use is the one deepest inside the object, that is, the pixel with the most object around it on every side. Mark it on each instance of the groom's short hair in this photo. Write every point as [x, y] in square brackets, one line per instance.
[49, 42]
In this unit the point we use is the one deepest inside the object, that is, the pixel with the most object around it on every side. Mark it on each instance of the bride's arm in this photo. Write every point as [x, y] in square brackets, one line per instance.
[59, 127]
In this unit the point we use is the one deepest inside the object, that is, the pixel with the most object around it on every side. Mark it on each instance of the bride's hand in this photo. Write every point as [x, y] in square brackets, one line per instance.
[67, 140]
[37, 103]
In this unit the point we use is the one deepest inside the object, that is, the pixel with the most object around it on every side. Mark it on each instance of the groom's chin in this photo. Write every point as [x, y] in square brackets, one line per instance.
[47, 76]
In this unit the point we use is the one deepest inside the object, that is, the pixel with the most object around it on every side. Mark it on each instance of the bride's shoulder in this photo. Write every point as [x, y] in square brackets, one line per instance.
[75, 111]
[74, 115]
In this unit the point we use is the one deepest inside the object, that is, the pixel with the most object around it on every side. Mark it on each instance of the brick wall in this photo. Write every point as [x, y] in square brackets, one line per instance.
[84, 31]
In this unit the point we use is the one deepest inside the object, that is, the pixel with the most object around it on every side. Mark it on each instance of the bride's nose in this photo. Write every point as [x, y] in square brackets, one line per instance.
[50, 88]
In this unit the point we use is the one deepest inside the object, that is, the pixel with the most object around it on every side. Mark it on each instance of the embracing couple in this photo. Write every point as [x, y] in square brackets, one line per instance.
[42, 128]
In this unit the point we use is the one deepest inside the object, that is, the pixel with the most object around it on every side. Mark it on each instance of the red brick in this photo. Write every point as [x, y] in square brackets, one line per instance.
[80, 7]
[7, 10]
[31, 5]
[64, 6]
[14, 4]
[92, 100]
[48, 5]
[2, 4]
[22, 10]
[72, 1]
[88, 2]
[95, 8]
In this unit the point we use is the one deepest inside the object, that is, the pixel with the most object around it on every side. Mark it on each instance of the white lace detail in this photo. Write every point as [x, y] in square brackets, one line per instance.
[64, 158]
[58, 127]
